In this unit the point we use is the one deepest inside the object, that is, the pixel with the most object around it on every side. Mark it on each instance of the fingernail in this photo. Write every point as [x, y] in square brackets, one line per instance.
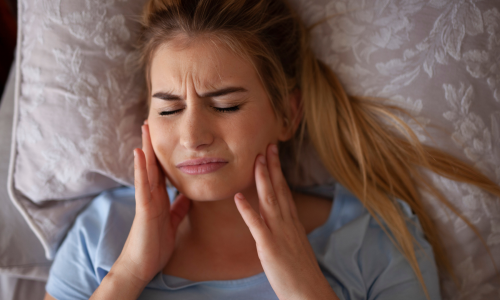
[239, 196]
[142, 128]
[262, 160]
[274, 148]
[134, 152]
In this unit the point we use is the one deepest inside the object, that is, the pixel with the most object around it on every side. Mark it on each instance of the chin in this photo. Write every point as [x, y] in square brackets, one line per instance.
[212, 190]
[207, 194]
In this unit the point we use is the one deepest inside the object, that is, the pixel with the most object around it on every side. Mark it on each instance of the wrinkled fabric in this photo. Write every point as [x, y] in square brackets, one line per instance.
[355, 255]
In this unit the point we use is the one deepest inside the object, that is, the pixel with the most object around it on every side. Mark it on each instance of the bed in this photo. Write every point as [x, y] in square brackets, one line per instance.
[439, 59]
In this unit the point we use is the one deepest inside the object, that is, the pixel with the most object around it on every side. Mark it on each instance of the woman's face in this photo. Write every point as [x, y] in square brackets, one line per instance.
[191, 81]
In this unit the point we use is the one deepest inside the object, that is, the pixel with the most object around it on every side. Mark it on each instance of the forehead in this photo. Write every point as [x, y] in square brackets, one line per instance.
[205, 61]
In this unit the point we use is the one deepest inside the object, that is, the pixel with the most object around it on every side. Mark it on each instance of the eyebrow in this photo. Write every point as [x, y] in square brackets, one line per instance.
[172, 97]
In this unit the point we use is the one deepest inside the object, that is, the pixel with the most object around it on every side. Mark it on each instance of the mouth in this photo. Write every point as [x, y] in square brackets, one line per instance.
[201, 165]
[202, 169]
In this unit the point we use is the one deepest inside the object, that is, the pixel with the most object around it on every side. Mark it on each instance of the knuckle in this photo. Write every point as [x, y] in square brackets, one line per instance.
[275, 163]
[137, 180]
[272, 199]
[262, 172]
[256, 220]
[283, 190]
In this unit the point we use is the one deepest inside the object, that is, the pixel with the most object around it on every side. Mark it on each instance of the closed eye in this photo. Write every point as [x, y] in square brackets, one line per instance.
[227, 109]
[219, 109]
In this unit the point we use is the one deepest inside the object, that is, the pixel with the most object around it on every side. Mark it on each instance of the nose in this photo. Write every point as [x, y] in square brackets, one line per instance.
[195, 131]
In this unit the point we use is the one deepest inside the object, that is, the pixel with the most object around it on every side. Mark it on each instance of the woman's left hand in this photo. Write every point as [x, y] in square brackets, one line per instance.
[282, 244]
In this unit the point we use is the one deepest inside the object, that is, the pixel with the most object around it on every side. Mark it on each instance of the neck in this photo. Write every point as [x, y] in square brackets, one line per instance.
[218, 227]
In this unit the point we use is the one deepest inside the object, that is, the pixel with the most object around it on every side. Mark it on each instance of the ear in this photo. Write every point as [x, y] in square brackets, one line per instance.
[288, 129]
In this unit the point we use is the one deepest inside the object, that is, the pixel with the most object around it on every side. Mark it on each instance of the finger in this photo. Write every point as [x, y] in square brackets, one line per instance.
[161, 182]
[141, 183]
[279, 183]
[151, 163]
[254, 221]
[179, 210]
[268, 202]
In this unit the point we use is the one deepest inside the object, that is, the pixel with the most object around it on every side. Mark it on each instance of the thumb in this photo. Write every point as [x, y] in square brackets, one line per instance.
[179, 210]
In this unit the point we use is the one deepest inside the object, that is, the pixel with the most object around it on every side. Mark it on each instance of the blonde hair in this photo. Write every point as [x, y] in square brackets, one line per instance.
[352, 135]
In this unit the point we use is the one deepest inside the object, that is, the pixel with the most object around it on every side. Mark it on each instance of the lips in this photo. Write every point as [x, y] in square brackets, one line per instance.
[202, 169]
[201, 161]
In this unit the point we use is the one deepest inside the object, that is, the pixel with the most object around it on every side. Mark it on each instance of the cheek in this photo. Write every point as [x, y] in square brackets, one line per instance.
[163, 145]
[252, 134]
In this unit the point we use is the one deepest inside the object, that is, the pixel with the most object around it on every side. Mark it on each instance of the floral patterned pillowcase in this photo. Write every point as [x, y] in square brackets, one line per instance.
[78, 109]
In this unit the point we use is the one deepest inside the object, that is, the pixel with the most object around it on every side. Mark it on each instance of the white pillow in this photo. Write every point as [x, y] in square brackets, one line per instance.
[438, 58]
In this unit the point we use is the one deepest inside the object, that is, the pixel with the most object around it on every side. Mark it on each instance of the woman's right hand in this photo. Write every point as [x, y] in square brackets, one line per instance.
[151, 240]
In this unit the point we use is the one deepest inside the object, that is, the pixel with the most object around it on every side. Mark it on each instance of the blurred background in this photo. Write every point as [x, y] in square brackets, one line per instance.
[8, 33]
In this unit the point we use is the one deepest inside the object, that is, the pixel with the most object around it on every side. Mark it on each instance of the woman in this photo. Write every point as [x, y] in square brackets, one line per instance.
[227, 82]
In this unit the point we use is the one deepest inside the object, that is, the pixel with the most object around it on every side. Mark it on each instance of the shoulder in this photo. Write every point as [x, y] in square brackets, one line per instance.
[103, 226]
[92, 244]
[111, 212]
[313, 211]
[115, 205]
[360, 257]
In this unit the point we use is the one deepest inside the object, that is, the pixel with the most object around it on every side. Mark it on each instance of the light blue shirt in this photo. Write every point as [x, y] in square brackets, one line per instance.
[355, 254]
